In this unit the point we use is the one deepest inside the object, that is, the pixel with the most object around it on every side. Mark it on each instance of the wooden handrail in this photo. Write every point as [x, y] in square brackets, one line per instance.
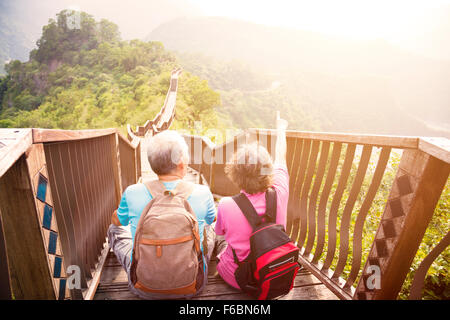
[86, 171]
[400, 142]
[65, 184]
[436, 147]
[165, 116]
[14, 143]
[55, 135]
[322, 166]
[131, 143]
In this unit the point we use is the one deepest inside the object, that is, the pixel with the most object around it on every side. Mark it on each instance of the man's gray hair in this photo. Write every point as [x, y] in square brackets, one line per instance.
[165, 151]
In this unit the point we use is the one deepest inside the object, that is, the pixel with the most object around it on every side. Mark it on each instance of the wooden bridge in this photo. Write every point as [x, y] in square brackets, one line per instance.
[58, 189]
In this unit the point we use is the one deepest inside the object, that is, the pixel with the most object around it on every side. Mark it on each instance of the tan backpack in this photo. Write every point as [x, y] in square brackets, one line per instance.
[167, 257]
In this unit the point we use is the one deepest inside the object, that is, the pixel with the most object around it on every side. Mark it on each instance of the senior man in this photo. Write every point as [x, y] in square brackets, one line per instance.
[168, 157]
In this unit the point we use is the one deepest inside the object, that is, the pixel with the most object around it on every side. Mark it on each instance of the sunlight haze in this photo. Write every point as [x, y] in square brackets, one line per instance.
[400, 21]
[376, 66]
[419, 26]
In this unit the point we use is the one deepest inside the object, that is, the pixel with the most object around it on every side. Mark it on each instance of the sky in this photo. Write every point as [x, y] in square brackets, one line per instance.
[135, 18]
[420, 25]
[350, 18]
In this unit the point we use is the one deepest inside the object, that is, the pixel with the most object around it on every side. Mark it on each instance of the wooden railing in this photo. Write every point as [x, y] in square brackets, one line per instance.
[344, 190]
[359, 205]
[58, 190]
[164, 118]
[64, 184]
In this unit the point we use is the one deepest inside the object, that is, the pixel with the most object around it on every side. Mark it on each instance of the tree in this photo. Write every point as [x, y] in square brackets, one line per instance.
[89, 78]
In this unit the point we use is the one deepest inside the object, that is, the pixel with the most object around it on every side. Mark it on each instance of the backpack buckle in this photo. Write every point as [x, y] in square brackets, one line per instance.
[170, 193]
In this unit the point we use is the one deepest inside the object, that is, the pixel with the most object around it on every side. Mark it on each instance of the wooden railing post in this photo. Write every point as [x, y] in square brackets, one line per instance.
[137, 161]
[5, 288]
[419, 182]
[26, 253]
[165, 116]
[409, 209]
[37, 168]
[71, 177]
[116, 166]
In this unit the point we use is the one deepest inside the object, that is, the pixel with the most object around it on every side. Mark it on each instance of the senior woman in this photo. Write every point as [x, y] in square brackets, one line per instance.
[253, 171]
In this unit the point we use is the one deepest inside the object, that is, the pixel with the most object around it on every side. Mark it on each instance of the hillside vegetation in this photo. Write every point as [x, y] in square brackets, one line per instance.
[89, 78]
[249, 98]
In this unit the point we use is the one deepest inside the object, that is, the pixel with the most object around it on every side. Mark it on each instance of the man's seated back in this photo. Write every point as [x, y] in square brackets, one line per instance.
[168, 157]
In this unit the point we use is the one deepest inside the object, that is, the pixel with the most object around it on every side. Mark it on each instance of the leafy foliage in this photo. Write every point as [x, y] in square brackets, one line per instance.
[89, 78]
[249, 98]
[437, 281]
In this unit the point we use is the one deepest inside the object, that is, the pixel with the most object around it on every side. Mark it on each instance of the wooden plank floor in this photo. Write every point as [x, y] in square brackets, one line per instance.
[114, 286]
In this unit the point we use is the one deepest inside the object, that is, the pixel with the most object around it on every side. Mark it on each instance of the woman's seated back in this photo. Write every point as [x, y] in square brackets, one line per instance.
[252, 170]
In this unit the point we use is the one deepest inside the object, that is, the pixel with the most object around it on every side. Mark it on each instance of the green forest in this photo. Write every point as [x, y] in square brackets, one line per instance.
[89, 78]
[249, 98]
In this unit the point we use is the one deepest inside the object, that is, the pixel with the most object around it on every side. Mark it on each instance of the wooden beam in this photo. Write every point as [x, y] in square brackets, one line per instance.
[364, 139]
[96, 275]
[115, 155]
[130, 134]
[5, 288]
[133, 144]
[54, 135]
[335, 285]
[27, 258]
[436, 147]
[415, 192]
[37, 169]
[16, 142]
[137, 156]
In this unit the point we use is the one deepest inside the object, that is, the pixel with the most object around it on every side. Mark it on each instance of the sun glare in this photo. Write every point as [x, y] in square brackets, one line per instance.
[361, 19]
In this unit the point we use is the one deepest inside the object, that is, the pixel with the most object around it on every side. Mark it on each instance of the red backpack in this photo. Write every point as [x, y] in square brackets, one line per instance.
[271, 266]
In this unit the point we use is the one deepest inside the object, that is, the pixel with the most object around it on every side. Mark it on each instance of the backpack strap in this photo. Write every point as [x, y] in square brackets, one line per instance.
[252, 216]
[235, 257]
[271, 205]
[183, 189]
[249, 211]
[157, 187]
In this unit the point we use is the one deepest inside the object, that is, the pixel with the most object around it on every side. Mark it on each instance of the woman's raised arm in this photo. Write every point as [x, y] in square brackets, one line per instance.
[280, 147]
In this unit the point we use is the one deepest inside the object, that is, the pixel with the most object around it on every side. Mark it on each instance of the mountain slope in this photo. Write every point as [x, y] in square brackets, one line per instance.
[337, 81]
[89, 78]
[14, 44]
